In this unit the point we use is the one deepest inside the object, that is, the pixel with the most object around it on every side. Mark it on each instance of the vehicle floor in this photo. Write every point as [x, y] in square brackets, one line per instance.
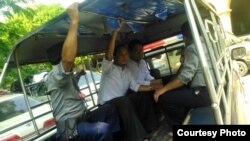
[161, 134]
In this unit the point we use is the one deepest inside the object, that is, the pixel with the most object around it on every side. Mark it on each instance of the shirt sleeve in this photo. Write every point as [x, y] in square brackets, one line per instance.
[133, 85]
[144, 77]
[190, 65]
[148, 76]
[106, 65]
[144, 82]
[59, 75]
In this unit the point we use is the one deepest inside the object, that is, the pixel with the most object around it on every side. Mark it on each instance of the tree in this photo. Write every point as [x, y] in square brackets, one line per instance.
[19, 24]
[9, 7]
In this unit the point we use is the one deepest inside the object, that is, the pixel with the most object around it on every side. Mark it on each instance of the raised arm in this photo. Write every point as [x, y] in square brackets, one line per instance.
[111, 47]
[69, 50]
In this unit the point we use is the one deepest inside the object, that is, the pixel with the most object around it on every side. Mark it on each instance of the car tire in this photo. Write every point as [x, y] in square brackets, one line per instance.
[243, 69]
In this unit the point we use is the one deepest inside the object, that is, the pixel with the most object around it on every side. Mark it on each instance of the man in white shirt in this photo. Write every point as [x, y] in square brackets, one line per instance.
[115, 82]
[143, 101]
[138, 66]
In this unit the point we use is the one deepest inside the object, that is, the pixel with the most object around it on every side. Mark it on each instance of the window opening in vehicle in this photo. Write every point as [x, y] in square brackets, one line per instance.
[168, 57]
[25, 94]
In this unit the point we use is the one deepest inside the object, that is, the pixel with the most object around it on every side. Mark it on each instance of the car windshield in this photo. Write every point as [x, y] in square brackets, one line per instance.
[14, 107]
[232, 39]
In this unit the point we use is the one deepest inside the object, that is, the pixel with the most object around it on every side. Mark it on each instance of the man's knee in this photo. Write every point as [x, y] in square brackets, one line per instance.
[162, 99]
[111, 110]
[104, 131]
[97, 131]
[110, 116]
[121, 102]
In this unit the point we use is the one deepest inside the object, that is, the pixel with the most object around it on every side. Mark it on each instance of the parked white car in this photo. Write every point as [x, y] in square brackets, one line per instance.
[39, 77]
[240, 51]
[14, 112]
[92, 88]
[83, 85]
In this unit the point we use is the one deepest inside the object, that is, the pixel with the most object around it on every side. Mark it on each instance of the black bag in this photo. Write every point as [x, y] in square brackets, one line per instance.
[67, 129]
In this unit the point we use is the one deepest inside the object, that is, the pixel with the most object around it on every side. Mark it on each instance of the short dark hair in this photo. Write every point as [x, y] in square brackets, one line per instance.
[133, 43]
[55, 53]
[117, 52]
[186, 30]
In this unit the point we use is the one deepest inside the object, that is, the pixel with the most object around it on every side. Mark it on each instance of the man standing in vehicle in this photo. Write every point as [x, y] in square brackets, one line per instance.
[67, 101]
[173, 94]
[115, 82]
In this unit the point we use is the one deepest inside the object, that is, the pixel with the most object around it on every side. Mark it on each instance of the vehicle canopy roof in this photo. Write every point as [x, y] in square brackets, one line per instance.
[97, 19]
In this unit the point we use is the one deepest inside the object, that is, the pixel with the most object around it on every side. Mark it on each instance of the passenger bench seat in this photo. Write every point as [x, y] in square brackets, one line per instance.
[200, 116]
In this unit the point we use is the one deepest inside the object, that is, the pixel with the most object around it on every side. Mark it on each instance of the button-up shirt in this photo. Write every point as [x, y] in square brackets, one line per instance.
[191, 70]
[65, 98]
[140, 72]
[115, 82]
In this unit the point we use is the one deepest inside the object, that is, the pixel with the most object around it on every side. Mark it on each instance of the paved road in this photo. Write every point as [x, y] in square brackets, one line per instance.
[246, 84]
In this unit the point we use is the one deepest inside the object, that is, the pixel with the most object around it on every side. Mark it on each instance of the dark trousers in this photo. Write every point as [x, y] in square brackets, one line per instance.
[176, 103]
[145, 108]
[132, 127]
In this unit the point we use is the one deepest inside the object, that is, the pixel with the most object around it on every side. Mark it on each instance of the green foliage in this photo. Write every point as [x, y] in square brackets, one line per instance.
[10, 7]
[19, 24]
[83, 59]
